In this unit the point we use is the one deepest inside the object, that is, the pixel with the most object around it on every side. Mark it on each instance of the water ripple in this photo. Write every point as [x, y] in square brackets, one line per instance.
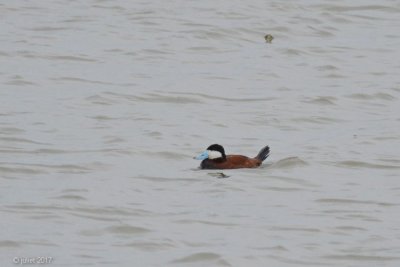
[362, 164]
[290, 162]
[352, 201]
[9, 243]
[377, 96]
[209, 257]
[361, 258]
[214, 97]
[127, 229]
[149, 246]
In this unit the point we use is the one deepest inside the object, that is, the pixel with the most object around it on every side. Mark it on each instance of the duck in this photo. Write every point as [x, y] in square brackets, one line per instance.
[215, 158]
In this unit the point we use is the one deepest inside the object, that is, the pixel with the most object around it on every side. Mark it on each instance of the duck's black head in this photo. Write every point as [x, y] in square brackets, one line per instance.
[213, 151]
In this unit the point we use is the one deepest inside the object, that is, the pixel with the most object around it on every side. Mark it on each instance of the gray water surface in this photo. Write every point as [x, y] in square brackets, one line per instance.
[103, 105]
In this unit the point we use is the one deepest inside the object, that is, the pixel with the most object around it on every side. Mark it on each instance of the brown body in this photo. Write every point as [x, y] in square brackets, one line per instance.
[231, 162]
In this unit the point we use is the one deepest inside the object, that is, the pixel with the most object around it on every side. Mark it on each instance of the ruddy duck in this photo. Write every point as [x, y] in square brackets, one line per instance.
[214, 158]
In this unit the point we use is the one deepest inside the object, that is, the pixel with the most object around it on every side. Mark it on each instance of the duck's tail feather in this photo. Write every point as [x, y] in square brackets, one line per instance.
[263, 154]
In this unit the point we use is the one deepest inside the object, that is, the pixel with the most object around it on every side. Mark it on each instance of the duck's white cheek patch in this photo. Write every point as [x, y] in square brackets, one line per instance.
[214, 154]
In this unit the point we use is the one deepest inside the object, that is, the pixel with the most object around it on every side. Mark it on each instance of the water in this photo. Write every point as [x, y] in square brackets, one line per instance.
[104, 104]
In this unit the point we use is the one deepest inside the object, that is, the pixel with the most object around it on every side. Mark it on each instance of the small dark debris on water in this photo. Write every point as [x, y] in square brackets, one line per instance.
[268, 38]
[219, 175]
